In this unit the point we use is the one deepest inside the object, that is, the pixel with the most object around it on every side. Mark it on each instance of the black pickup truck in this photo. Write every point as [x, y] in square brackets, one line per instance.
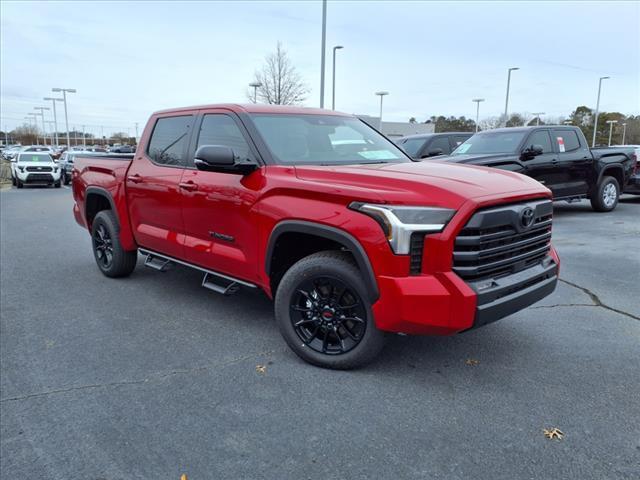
[558, 157]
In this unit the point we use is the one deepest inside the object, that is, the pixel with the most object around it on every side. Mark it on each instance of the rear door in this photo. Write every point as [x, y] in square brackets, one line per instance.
[153, 186]
[542, 167]
[575, 163]
[220, 221]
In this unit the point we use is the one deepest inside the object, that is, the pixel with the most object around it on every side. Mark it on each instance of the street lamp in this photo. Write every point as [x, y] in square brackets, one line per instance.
[322, 54]
[55, 116]
[333, 94]
[624, 132]
[506, 102]
[255, 85]
[595, 121]
[51, 125]
[611, 122]
[33, 116]
[537, 114]
[381, 94]
[44, 130]
[477, 100]
[64, 99]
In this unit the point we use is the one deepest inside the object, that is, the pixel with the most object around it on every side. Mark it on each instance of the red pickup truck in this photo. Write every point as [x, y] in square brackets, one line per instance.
[328, 217]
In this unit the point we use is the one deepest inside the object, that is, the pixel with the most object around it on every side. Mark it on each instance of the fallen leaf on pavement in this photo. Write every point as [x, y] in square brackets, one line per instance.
[472, 361]
[183, 476]
[553, 433]
[261, 369]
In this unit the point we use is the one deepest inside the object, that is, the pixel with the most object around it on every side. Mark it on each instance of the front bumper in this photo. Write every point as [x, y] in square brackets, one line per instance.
[444, 304]
[633, 186]
[38, 177]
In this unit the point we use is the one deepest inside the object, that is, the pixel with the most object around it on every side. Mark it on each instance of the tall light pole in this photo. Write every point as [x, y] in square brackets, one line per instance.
[256, 86]
[537, 114]
[624, 132]
[64, 99]
[611, 122]
[333, 93]
[33, 116]
[477, 100]
[506, 102]
[381, 94]
[51, 126]
[55, 115]
[324, 42]
[44, 130]
[595, 121]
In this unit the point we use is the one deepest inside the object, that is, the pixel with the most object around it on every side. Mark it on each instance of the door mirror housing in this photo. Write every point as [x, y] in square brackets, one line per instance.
[433, 153]
[532, 151]
[221, 158]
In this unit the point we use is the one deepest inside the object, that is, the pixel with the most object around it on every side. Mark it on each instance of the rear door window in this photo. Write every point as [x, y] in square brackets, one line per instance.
[168, 142]
[567, 140]
[441, 143]
[412, 146]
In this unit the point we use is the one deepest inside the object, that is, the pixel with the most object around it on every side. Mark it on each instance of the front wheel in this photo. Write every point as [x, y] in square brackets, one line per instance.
[19, 183]
[112, 259]
[605, 198]
[324, 314]
[57, 184]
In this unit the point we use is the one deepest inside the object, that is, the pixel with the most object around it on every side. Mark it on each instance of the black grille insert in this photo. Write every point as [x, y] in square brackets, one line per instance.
[494, 243]
[415, 253]
[39, 169]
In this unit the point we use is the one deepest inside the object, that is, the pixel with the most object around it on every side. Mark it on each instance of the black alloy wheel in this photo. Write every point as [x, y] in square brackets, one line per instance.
[103, 247]
[328, 316]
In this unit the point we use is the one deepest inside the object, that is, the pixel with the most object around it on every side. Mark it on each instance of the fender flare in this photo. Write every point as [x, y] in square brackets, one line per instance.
[608, 168]
[330, 233]
[103, 193]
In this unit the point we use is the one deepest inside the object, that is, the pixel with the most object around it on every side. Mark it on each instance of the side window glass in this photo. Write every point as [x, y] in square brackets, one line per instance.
[169, 140]
[441, 143]
[567, 140]
[541, 137]
[219, 129]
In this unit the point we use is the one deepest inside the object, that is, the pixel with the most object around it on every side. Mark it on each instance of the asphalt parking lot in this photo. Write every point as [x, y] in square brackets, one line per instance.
[151, 377]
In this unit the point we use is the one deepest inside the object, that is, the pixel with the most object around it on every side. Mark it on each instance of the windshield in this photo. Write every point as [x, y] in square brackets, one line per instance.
[34, 157]
[491, 142]
[324, 140]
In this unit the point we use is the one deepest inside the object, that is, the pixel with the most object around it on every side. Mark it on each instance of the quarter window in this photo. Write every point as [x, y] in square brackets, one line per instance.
[169, 140]
[220, 129]
[567, 140]
[541, 137]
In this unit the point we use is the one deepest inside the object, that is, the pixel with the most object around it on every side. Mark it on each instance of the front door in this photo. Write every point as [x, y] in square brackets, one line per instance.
[542, 167]
[153, 187]
[220, 219]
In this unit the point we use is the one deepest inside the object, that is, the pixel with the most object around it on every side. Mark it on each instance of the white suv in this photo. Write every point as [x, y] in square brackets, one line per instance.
[35, 168]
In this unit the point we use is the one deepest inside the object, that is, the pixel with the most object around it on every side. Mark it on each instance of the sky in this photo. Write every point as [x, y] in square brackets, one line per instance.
[128, 59]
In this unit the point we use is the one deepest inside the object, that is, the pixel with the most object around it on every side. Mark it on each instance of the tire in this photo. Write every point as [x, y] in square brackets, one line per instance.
[606, 196]
[13, 180]
[323, 295]
[65, 180]
[19, 183]
[112, 260]
[58, 184]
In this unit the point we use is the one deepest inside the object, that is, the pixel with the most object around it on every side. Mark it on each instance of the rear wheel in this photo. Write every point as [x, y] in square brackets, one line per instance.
[112, 259]
[13, 180]
[605, 198]
[323, 312]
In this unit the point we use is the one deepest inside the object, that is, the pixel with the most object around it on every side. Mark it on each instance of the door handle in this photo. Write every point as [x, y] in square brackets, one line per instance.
[188, 186]
[134, 178]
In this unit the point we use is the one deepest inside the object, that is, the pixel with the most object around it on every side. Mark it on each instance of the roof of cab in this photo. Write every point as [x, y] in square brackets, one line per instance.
[255, 108]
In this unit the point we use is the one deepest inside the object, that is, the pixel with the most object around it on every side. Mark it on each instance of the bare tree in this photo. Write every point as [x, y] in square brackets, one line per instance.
[280, 83]
[490, 123]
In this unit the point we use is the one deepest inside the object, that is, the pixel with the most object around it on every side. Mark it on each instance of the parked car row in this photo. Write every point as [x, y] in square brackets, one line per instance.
[557, 156]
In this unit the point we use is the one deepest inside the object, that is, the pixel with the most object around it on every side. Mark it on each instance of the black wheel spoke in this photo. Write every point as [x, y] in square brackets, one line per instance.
[325, 341]
[301, 309]
[351, 335]
[353, 319]
[305, 322]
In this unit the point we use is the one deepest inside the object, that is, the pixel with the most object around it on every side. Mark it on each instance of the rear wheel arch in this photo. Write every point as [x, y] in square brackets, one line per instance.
[292, 240]
[97, 200]
[616, 171]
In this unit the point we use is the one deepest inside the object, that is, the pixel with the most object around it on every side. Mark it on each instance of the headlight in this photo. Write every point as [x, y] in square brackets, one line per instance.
[399, 222]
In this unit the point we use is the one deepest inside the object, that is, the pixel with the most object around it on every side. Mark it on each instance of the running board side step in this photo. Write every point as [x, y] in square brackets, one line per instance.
[218, 282]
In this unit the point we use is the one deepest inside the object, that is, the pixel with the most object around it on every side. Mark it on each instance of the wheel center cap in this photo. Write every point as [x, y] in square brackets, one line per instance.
[327, 314]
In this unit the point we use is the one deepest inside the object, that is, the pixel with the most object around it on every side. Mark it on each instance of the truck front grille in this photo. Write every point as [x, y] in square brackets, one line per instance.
[39, 177]
[415, 253]
[497, 242]
[39, 169]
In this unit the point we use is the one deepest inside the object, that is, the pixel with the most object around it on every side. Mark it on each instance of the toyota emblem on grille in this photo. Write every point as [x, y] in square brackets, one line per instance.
[526, 217]
[39, 168]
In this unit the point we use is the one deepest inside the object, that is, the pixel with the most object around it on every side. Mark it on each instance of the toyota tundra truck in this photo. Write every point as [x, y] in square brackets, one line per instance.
[349, 236]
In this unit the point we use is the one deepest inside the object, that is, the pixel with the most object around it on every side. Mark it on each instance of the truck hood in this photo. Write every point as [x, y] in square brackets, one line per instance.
[420, 183]
[36, 164]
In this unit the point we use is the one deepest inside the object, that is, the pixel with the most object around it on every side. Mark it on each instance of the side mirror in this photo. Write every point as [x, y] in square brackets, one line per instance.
[532, 151]
[221, 158]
